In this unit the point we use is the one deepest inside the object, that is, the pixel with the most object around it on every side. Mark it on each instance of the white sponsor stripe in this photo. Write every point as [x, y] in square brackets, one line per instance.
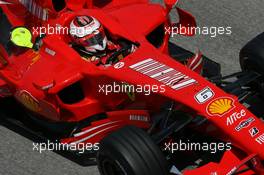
[35, 9]
[175, 82]
[170, 81]
[147, 66]
[154, 68]
[30, 3]
[92, 135]
[158, 70]
[198, 64]
[170, 76]
[44, 17]
[39, 12]
[32, 10]
[140, 63]
[183, 84]
[165, 74]
[160, 73]
[94, 128]
[193, 61]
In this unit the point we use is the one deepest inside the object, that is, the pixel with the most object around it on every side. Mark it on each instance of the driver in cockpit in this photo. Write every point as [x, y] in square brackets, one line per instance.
[89, 39]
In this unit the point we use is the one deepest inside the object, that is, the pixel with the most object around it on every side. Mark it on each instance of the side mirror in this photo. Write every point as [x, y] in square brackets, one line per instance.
[21, 37]
[187, 23]
[169, 4]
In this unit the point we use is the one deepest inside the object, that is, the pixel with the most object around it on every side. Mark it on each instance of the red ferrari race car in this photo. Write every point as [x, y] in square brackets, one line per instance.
[144, 106]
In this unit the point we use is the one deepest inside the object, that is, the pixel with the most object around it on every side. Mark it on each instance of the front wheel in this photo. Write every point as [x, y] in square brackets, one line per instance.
[130, 151]
[252, 55]
[252, 59]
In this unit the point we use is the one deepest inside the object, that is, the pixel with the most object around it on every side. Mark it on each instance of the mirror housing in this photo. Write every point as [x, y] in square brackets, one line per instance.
[169, 4]
[186, 25]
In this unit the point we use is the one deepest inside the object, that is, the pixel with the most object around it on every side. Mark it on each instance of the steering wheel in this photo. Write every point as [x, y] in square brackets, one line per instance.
[114, 57]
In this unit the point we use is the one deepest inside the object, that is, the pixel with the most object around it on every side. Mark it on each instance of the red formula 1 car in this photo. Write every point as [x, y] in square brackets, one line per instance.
[157, 110]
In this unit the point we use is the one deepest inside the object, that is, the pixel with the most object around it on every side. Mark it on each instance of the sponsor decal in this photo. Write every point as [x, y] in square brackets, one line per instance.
[260, 139]
[204, 95]
[235, 117]
[253, 131]
[50, 52]
[139, 118]
[220, 106]
[163, 73]
[29, 101]
[119, 65]
[244, 124]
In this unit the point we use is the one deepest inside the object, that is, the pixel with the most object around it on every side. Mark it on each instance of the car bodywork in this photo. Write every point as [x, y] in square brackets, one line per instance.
[59, 87]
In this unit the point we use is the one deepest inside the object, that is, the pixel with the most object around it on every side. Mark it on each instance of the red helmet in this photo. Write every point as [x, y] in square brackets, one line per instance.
[89, 33]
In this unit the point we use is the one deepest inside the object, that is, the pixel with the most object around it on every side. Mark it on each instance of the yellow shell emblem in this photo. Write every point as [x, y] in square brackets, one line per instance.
[220, 106]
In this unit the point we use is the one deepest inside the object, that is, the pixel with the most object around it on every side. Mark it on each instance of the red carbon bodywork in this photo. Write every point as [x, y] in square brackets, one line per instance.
[36, 78]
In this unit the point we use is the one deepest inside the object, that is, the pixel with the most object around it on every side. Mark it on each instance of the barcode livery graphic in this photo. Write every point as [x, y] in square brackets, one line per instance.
[164, 74]
[35, 9]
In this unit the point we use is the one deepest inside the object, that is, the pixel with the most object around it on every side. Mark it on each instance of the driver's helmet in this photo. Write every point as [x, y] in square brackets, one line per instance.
[88, 32]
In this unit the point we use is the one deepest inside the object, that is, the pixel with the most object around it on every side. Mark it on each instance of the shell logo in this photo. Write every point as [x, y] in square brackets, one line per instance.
[29, 101]
[220, 106]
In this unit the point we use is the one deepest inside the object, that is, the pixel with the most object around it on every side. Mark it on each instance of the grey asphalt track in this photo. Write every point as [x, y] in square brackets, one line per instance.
[246, 18]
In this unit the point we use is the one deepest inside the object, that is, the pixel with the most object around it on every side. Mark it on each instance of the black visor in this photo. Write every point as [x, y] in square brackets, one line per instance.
[97, 39]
